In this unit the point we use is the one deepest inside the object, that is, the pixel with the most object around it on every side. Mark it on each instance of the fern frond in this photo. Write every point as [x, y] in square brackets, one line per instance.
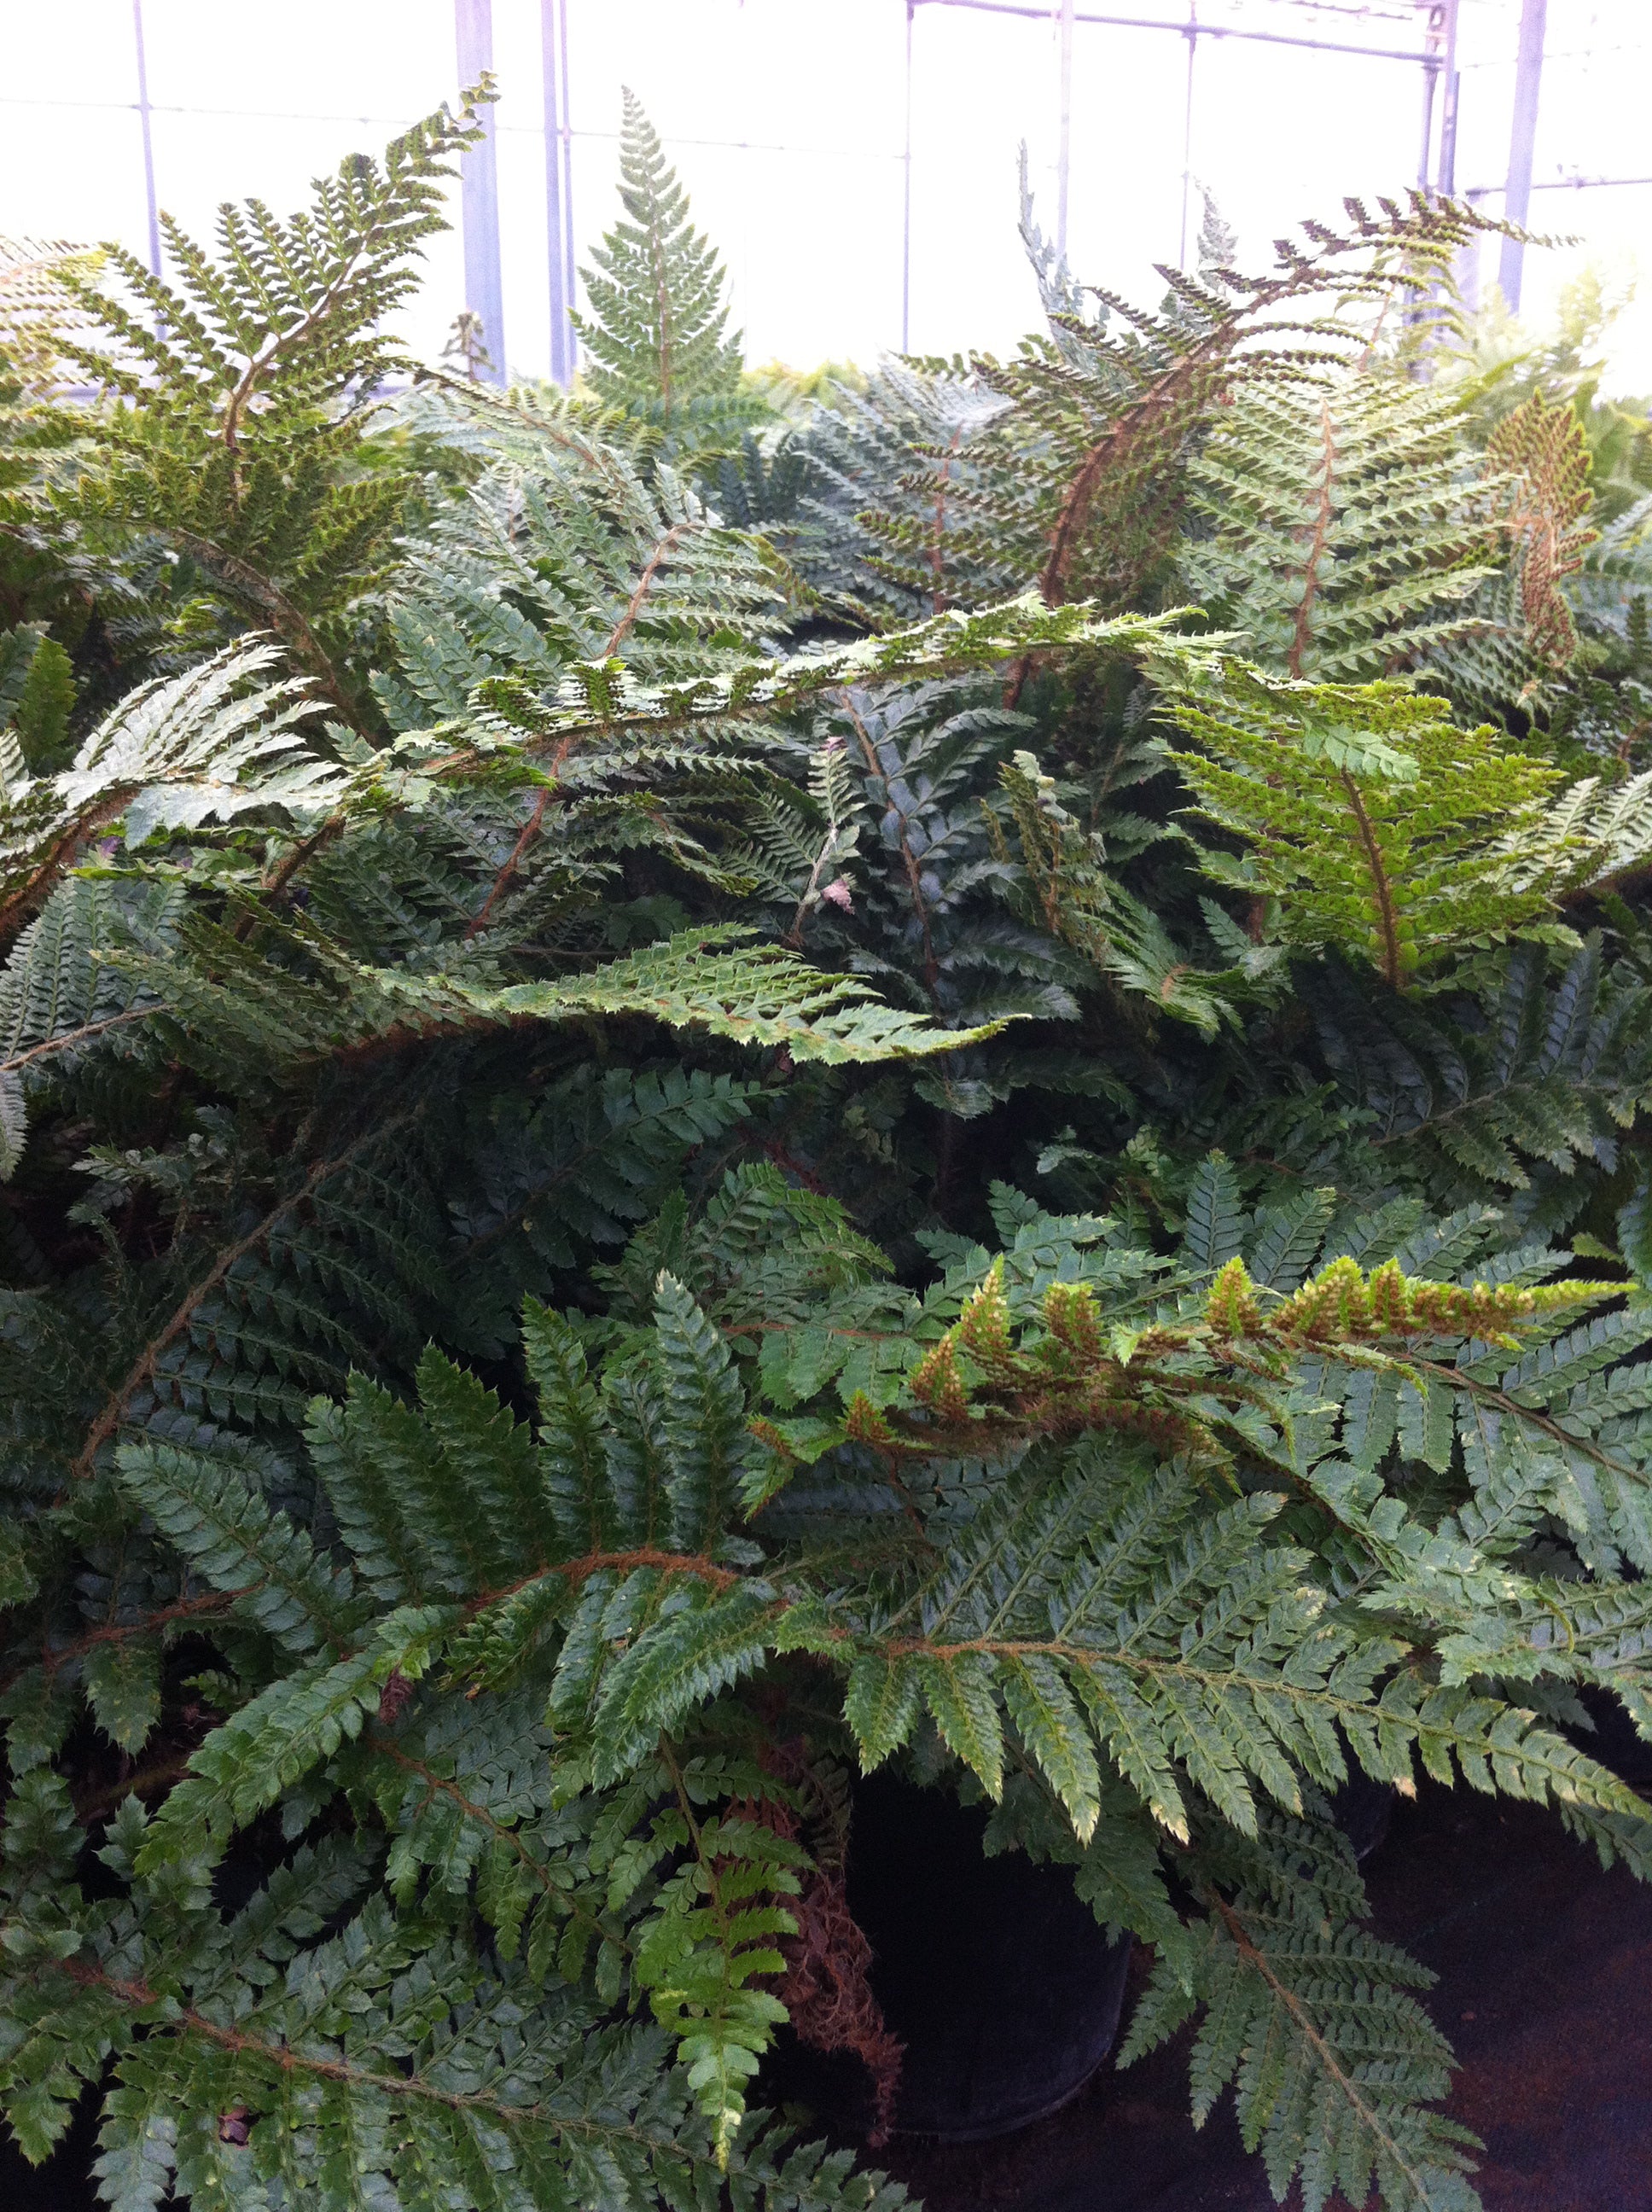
[1383, 828]
[208, 745]
[1332, 2061]
[236, 393]
[656, 326]
[1336, 526]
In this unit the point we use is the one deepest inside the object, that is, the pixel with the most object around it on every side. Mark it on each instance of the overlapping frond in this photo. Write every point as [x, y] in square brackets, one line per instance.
[1335, 523]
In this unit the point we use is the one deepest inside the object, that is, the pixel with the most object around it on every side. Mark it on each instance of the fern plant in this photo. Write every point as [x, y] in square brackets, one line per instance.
[1132, 1658]
[539, 983]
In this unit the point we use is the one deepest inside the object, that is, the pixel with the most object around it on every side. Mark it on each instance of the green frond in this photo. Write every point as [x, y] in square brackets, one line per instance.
[1338, 526]
[236, 1544]
[1383, 828]
[655, 329]
[572, 556]
[235, 385]
[208, 745]
[1332, 2061]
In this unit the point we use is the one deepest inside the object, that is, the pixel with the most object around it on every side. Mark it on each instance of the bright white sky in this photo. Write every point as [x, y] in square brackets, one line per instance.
[786, 120]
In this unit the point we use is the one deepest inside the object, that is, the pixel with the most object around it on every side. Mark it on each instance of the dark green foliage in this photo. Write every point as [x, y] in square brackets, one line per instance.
[36, 693]
[569, 556]
[528, 1352]
[882, 525]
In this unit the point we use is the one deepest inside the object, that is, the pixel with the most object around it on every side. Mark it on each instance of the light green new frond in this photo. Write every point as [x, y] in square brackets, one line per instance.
[1381, 829]
[714, 1925]
[760, 995]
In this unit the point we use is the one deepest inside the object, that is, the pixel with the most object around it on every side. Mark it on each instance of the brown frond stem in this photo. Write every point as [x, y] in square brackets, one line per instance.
[1392, 973]
[63, 1654]
[412, 2088]
[1318, 537]
[17, 907]
[501, 881]
[656, 561]
[291, 625]
[142, 1782]
[937, 537]
[68, 1039]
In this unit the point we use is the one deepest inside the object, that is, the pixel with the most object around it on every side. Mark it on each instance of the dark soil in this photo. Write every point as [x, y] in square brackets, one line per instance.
[1546, 1990]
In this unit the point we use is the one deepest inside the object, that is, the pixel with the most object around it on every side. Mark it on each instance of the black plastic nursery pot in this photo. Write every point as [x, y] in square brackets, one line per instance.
[1364, 1812]
[1004, 1989]
[999, 1981]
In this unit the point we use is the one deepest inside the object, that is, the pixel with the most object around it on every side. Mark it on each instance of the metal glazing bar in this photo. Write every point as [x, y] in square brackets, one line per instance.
[1063, 161]
[568, 261]
[148, 143]
[552, 38]
[1523, 138]
[1191, 33]
[1562, 185]
[906, 199]
[1205, 30]
[484, 291]
[1445, 174]
[1424, 159]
